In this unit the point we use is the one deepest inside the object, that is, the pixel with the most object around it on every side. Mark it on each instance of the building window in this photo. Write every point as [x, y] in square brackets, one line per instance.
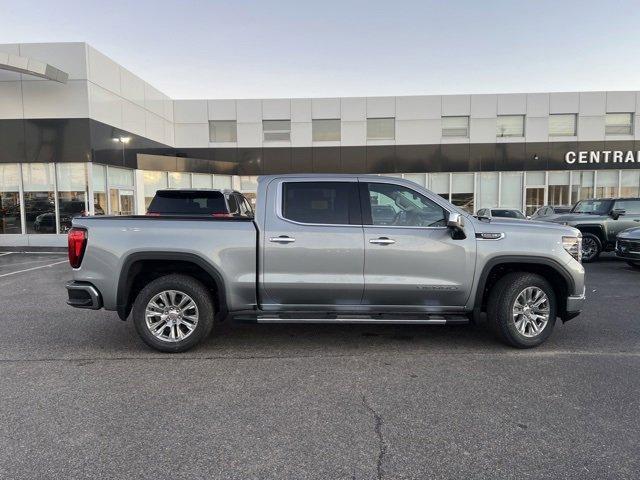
[39, 202]
[439, 183]
[455, 127]
[153, 181]
[581, 186]
[562, 125]
[511, 190]
[462, 189]
[179, 180]
[10, 220]
[201, 180]
[72, 193]
[607, 184]
[223, 182]
[510, 126]
[488, 185]
[99, 189]
[381, 128]
[618, 124]
[558, 193]
[326, 130]
[121, 194]
[630, 183]
[276, 130]
[223, 131]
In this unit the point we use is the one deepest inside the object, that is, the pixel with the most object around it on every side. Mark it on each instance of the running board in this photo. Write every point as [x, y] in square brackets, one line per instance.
[360, 319]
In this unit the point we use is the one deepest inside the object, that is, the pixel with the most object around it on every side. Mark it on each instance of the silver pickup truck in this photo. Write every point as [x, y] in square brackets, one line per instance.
[328, 248]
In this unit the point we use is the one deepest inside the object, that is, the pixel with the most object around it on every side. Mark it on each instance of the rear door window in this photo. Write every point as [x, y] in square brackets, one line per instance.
[329, 203]
[180, 202]
[631, 207]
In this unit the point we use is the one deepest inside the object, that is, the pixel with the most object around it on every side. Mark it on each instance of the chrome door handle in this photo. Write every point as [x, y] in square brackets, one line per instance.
[382, 241]
[282, 239]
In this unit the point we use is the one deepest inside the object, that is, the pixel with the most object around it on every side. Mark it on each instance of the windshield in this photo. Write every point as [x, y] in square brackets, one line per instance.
[507, 213]
[592, 207]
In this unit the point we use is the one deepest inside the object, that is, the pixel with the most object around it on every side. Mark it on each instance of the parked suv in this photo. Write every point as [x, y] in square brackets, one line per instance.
[600, 221]
[501, 213]
[190, 202]
[549, 212]
[628, 246]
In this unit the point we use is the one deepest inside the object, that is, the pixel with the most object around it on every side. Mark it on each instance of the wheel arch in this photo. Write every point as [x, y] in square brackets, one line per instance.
[550, 269]
[595, 229]
[142, 267]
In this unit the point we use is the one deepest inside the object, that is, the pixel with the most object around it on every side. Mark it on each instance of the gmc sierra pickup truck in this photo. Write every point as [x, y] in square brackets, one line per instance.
[328, 248]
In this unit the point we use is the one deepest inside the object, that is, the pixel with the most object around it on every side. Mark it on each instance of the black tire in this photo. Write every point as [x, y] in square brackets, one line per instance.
[182, 283]
[593, 245]
[634, 264]
[502, 298]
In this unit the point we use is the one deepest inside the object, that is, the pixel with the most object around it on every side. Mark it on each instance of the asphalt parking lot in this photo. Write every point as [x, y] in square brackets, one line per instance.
[82, 397]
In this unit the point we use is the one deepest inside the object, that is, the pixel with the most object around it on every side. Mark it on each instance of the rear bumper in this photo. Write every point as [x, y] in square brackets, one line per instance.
[83, 295]
[574, 305]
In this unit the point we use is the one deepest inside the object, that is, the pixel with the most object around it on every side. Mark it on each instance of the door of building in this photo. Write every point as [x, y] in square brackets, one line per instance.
[533, 199]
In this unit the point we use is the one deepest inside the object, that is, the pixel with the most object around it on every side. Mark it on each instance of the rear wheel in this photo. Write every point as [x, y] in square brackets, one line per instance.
[173, 313]
[522, 309]
[591, 247]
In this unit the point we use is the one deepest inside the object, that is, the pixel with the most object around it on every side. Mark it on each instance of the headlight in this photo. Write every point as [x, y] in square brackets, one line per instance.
[573, 246]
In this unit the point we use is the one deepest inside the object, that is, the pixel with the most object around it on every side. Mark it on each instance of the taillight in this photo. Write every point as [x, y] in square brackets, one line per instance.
[77, 238]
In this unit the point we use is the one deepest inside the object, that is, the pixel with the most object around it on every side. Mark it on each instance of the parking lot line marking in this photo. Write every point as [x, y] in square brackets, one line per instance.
[3, 254]
[33, 268]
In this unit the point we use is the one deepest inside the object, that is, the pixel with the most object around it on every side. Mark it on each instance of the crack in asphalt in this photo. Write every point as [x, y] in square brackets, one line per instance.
[382, 446]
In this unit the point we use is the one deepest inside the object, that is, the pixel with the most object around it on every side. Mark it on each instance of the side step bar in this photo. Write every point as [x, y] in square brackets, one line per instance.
[359, 319]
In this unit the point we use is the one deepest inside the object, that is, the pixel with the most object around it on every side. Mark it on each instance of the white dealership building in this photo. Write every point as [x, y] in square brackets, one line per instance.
[81, 134]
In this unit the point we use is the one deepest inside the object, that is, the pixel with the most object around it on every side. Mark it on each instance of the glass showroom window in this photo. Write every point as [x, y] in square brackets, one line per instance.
[179, 180]
[222, 182]
[121, 196]
[462, 187]
[618, 124]
[381, 128]
[39, 202]
[276, 130]
[630, 183]
[223, 131]
[488, 185]
[326, 130]
[581, 186]
[562, 125]
[202, 180]
[510, 126]
[511, 190]
[72, 193]
[99, 189]
[10, 219]
[455, 127]
[419, 178]
[153, 181]
[248, 183]
[607, 184]
[440, 184]
[558, 188]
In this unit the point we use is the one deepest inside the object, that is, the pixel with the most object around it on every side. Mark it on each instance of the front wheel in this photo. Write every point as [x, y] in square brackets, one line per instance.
[173, 313]
[522, 309]
[591, 247]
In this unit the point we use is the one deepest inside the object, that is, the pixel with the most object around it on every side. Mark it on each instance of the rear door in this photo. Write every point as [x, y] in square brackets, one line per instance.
[631, 217]
[313, 244]
[411, 260]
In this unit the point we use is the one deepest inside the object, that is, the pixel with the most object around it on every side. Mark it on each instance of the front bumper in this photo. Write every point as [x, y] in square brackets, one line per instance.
[83, 295]
[628, 249]
[574, 305]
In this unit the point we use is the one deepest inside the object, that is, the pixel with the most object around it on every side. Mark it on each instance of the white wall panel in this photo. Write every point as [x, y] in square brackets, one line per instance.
[168, 109]
[68, 57]
[191, 134]
[482, 130]
[190, 111]
[133, 118]
[105, 106]
[354, 133]
[325, 108]
[592, 103]
[155, 127]
[537, 104]
[621, 102]
[591, 128]
[512, 104]
[249, 134]
[55, 100]
[301, 134]
[249, 111]
[10, 99]
[484, 106]
[301, 110]
[11, 49]
[222, 109]
[276, 109]
[103, 71]
[169, 133]
[131, 87]
[564, 102]
[456, 105]
[537, 129]
[419, 107]
[411, 132]
[353, 108]
[154, 99]
[381, 107]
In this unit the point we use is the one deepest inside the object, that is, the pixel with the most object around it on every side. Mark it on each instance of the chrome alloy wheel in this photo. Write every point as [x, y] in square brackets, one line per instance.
[531, 311]
[589, 248]
[171, 316]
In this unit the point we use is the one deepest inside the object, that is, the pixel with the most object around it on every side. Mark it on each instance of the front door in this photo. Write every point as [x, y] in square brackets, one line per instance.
[630, 218]
[412, 263]
[313, 245]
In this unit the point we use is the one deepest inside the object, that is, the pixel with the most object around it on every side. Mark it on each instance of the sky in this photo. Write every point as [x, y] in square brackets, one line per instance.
[271, 48]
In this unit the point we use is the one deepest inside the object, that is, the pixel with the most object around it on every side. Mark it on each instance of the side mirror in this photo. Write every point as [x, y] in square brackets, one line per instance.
[455, 223]
[617, 213]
